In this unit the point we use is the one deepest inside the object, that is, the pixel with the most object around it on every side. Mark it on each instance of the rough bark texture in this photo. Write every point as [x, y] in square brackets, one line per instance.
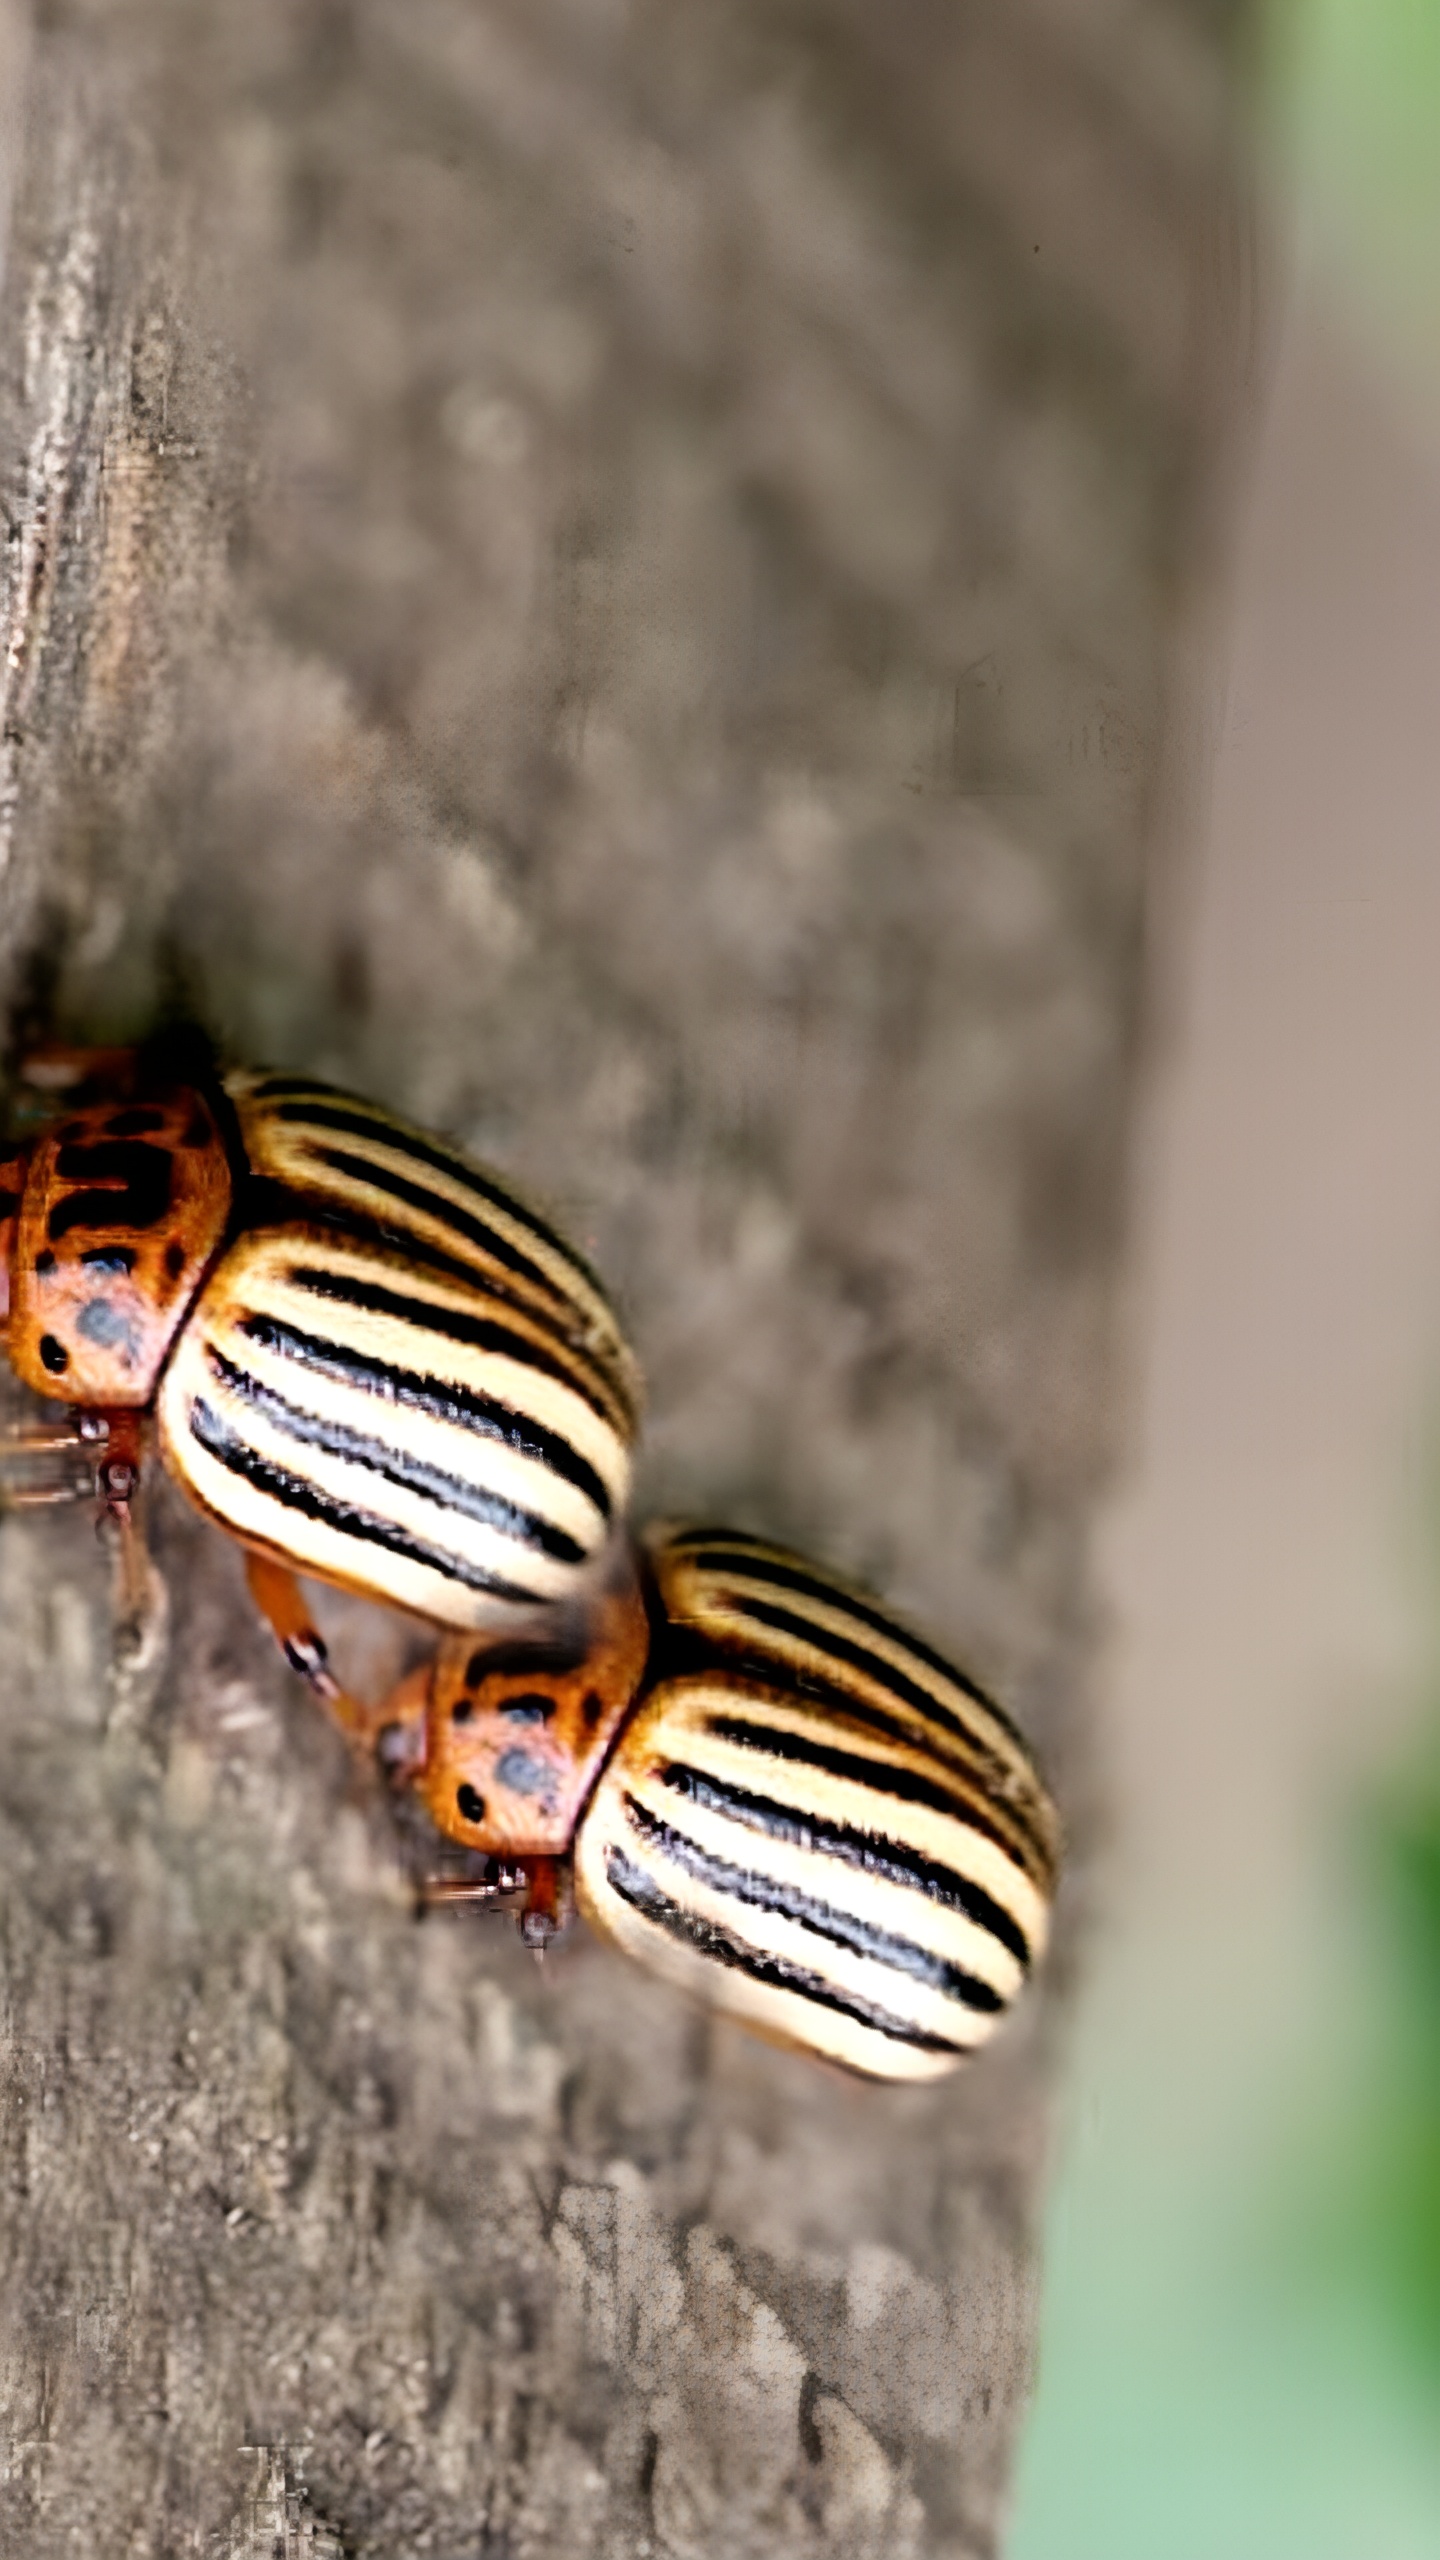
[601, 574]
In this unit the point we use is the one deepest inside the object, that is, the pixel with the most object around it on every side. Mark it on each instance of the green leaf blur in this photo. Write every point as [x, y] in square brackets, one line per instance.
[1352, 96]
[1395, 2172]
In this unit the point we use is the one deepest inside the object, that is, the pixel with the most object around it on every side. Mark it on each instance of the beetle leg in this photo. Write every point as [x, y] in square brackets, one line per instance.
[117, 1473]
[117, 1482]
[398, 1726]
[41, 1439]
[542, 1882]
[277, 1595]
[36, 1448]
[546, 1903]
[501, 1885]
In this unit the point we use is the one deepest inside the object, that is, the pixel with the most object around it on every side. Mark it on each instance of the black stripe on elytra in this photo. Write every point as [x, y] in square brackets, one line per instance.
[437, 1397]
[858, 1657]
[446, 1213]
[693, 1655]
[884, 1777]
[268, 1202]
[142, 1176]
[269, 1086]
[264, 1202]
[686, 1654]
[452, 1324]
[891, 1860]
[349, 1122]
[807, 1911]
[296, 1493]
[396, 1466]
[785, 1576]
[720, 1946]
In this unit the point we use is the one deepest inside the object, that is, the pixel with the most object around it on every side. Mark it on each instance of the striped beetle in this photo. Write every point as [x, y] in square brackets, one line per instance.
[770, 1791]
[363, 1356]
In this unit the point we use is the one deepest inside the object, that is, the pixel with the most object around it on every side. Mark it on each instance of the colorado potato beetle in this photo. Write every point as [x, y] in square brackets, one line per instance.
[362, 1355]
[768, 1790]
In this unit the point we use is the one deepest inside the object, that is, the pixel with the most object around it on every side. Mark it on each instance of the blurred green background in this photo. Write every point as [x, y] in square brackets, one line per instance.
[1349, 126]
[1241, 2343]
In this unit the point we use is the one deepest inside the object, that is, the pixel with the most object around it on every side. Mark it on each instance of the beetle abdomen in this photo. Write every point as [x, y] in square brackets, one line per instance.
[804, 1844]
[447, 1430]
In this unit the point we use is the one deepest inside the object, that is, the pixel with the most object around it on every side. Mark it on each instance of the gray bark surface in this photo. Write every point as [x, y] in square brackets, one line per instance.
[604, 576]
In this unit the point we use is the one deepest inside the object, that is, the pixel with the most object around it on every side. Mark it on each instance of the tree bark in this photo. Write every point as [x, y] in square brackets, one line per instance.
[605, 577]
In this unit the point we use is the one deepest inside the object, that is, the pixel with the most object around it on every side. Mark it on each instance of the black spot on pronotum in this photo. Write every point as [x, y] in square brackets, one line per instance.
[812, 2443]
[528, 1707]
[44, 1260]
[462, 1711]
[141, 1180]
[135, 1124]
[174, 1257]
[470, 1801]
[592, 1708]
[533, 1655]
[53, 1354]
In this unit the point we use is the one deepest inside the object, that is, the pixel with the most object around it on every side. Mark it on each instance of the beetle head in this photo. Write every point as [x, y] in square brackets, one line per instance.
[516, 1735]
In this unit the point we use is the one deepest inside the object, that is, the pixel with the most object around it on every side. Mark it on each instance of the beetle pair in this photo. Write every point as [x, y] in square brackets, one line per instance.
[370, 1362]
